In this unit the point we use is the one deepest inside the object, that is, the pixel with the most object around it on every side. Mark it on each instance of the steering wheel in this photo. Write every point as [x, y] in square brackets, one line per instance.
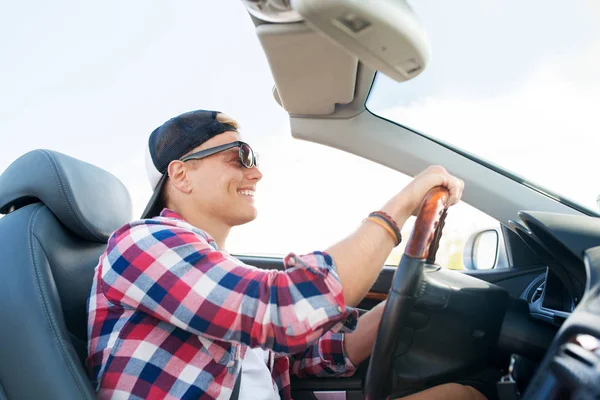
[420, 249]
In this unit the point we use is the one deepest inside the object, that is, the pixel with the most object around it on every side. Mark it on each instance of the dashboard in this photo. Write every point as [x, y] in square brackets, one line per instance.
[567, 295]
[560, 241]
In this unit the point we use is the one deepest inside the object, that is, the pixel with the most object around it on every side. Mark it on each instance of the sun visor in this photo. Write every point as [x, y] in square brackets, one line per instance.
[312, 74]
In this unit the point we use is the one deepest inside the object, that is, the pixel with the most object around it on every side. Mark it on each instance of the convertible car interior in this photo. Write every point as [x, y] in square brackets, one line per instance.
[528, 330]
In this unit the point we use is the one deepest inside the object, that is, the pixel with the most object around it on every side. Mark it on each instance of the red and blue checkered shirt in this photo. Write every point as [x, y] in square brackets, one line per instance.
[172, 316]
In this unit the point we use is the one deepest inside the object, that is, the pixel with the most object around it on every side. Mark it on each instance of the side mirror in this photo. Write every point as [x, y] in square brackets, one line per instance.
[481, 250]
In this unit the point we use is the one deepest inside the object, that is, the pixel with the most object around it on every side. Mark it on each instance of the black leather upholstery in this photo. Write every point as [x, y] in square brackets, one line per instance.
[2, 393]
[48, 251]
[88, 200]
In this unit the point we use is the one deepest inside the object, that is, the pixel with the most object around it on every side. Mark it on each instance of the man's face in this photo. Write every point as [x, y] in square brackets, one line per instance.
[221, 187]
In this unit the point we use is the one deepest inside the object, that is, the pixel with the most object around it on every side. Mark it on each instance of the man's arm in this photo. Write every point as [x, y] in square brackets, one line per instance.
[337, 354]
[359, 343]
[359, 257]
[173, 274]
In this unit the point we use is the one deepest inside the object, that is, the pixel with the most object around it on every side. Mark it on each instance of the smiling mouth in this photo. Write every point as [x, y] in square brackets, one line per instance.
[248, 193]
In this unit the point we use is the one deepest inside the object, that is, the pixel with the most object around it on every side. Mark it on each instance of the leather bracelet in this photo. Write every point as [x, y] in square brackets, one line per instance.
[385, 226]
[390, 222]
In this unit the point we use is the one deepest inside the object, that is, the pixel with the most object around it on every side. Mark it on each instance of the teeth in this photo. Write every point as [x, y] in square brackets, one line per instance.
[247, 192]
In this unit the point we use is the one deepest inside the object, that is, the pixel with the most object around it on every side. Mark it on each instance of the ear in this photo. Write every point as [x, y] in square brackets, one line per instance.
[178, 176]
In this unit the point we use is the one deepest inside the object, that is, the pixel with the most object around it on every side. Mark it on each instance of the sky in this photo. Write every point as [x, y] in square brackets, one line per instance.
[92, 80]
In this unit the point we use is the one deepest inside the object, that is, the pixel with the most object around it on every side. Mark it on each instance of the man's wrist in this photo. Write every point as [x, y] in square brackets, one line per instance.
[399, 209]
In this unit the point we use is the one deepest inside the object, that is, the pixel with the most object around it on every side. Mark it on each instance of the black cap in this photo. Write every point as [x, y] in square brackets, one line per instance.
[171, 141]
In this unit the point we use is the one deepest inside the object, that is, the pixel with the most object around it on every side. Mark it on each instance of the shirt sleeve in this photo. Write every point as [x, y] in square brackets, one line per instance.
[175, 275]
[325, 358]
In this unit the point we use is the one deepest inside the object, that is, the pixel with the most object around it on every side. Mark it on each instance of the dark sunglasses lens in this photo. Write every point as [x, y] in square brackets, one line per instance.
[246, 156]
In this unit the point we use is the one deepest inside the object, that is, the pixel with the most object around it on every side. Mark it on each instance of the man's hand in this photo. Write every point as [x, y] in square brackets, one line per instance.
[410, 198]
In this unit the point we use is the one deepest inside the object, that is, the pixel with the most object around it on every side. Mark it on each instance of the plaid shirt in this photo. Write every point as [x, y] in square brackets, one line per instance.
[172, 316]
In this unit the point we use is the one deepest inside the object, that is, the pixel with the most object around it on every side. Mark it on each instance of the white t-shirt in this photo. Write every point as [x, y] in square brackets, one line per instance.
[256, 383]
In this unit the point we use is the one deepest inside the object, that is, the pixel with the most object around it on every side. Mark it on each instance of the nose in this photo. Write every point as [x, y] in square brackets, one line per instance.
[254, 174]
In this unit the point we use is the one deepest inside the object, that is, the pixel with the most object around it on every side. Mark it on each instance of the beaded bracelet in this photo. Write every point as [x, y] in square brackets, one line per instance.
[389, 221]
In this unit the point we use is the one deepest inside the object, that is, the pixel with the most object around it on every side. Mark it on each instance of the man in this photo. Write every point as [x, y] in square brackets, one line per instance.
[173, 315]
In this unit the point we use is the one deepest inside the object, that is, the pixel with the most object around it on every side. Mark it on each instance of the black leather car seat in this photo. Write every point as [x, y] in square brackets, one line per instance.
[59, 213]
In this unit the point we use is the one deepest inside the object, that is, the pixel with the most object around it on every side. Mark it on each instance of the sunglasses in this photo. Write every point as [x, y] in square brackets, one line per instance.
[248, 158]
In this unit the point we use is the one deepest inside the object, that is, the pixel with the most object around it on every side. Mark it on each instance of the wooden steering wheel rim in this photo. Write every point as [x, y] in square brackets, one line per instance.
[428, 218]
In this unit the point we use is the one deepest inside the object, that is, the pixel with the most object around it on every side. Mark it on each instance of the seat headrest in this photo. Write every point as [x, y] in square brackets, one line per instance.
[88, 200]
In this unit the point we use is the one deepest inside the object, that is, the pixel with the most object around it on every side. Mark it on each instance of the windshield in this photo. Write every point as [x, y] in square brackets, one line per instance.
[514, 83]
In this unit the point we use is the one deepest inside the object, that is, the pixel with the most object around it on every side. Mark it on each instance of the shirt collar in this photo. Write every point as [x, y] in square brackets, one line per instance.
[168, 213]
